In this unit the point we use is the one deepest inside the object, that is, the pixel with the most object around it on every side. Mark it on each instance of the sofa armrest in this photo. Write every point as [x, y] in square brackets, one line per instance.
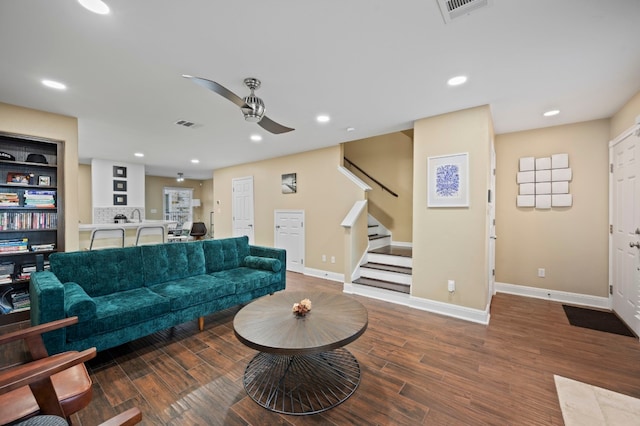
[47, 304]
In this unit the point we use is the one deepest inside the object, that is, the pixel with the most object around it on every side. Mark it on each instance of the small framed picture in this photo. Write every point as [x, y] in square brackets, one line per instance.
[120, 185]
[44, 180]
[289, 183]
[119, 200]
[119, 171]
[17, 177]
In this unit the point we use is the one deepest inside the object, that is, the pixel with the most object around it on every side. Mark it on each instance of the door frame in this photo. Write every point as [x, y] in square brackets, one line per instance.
[303, 234]
[634, 130]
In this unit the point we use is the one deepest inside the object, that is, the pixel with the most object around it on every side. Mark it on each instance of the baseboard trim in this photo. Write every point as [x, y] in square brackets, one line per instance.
[554, 295]
[447, 309]
[327, 275]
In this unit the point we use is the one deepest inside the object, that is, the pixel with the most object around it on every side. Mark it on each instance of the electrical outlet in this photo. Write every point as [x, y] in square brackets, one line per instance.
[451, 286]
[333, 259]
[541, 272]
[324, 257]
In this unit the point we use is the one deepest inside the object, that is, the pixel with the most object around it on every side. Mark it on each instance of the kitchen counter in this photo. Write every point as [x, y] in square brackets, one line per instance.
[130, 230]
[128, 225]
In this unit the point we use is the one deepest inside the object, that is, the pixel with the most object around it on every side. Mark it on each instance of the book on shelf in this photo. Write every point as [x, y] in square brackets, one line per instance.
[43, 247]
[13, 300]
[9, 199]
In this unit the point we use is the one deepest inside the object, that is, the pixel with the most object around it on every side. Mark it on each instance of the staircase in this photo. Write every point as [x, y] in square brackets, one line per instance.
[379, 236]
[387, 267]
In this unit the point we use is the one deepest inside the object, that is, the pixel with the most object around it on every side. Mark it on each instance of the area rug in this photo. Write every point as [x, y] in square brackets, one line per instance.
[596, 320]
[586, 405]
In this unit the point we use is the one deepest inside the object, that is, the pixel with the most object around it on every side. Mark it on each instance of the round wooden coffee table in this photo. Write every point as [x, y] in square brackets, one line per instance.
[302, 367]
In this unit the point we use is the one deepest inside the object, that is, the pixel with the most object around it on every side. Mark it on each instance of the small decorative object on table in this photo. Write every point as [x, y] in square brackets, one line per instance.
[301, 308]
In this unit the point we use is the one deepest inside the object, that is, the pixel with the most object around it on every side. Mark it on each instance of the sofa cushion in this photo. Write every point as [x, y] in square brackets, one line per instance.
[168, 262]
[77, 303]
[99, 272]
[247, 279]
[120, 310]
[264, 263]
[193, 290]
[226, 253]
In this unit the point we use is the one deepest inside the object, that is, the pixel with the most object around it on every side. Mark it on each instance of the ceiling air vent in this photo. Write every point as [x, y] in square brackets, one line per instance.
[188, 124]
[453, 9]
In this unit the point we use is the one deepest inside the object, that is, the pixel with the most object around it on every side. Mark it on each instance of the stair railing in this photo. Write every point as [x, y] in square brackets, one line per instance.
[383, 186]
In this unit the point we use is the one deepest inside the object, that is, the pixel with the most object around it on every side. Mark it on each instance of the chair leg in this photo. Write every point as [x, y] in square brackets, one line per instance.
[201, 323]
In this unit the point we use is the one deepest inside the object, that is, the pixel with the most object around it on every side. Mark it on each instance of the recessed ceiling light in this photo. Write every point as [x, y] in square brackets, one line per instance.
[551, 113]
[457, 80]
[350, 129]
[195, 161]
[256, 138]
[54, 84]
[95, 6]
[323, 119]
[139, 154]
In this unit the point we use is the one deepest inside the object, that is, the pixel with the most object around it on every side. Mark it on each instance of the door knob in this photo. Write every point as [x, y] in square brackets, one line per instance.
[636, 244]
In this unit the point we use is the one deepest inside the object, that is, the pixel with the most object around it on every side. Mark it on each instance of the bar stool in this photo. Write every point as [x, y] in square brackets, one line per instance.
[150, 230]
[115, 233]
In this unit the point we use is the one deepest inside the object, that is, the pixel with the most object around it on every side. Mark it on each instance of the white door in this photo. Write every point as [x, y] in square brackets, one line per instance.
[491, 213]
[243, 207]
[625, 222]
[289, 235]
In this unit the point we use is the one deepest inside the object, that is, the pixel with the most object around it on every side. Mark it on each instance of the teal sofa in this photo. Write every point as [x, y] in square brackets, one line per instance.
[123, 294]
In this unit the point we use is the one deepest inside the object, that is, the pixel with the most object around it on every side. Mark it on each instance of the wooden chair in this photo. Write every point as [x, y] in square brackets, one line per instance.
[53, 385]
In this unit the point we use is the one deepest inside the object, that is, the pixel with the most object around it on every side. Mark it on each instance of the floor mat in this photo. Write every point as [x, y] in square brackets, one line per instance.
[596, 320]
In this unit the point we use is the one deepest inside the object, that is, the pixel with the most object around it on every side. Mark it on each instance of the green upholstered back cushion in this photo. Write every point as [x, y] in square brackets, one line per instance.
[172, 261]
[100, 272]
[226, 253]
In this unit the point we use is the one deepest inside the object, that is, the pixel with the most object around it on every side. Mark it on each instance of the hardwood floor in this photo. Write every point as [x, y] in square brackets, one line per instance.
[417, 368]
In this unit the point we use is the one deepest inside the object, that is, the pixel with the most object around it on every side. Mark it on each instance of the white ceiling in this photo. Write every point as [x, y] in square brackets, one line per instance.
[375, 65]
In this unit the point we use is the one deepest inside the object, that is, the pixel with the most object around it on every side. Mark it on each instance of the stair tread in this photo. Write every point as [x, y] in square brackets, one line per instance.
[387, 285]
[377, 236]
[394, 251]
[388, 268]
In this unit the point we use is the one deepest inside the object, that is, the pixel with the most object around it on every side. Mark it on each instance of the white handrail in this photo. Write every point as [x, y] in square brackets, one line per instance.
[355, 179]
[354, 213]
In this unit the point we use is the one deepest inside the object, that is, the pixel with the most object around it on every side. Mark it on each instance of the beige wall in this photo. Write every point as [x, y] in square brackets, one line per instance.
[571, 243]
[389, 159]
[626, 117]
[451, 243]
[85, 213]
[325, 195]
[154, 190]
[26, 121]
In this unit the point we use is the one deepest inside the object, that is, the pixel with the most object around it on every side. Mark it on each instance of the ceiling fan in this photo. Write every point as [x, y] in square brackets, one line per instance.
[252, 106]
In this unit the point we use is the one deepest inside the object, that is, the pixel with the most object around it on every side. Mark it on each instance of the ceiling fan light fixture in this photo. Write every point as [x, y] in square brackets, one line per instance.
[180, 177]
[253, 109]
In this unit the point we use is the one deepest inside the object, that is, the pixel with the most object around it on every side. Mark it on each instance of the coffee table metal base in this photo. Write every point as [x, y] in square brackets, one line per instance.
[302, 384]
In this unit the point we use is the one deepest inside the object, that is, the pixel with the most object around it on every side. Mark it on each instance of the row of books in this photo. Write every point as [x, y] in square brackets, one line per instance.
[15, 221]
[32, 198]
[9, 199]
[14, 245]
[39, 198]
[14, 300]
[7, 271]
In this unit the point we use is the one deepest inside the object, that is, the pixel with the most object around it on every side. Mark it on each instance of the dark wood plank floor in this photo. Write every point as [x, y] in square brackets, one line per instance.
[417, 368]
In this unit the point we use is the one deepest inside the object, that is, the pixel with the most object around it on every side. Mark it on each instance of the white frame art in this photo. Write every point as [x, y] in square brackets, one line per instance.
[448, 180]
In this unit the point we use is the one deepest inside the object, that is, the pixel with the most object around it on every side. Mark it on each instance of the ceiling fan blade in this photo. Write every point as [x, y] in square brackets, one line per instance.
[273, 127]
[218, 88]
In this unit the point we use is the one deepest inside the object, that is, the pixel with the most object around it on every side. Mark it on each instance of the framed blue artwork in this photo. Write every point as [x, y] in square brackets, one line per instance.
[448, 180]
